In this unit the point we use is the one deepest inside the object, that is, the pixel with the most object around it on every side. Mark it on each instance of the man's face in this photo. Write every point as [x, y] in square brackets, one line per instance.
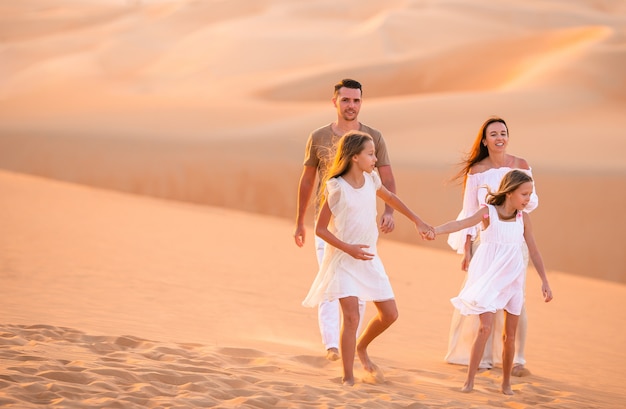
[348, 103]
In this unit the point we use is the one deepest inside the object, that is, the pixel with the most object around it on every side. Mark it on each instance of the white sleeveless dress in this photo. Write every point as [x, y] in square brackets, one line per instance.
[353, 221]
[496, 274]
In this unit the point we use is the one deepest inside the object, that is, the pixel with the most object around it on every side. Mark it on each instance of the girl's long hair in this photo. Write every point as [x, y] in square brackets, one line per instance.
[509, 183]
[351, 143]
[479, 150]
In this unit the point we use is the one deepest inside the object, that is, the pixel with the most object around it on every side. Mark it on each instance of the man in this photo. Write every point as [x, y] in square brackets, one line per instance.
[320, 150]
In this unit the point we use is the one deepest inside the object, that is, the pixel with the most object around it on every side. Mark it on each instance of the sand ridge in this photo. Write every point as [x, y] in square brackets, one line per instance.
[64, 367]
[159, 97]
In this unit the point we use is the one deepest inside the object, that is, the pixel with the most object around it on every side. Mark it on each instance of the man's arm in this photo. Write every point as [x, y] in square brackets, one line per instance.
[387, 223]
[305, 189]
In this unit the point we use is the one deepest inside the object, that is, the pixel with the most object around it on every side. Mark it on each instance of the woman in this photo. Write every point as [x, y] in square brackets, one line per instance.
[484, 167]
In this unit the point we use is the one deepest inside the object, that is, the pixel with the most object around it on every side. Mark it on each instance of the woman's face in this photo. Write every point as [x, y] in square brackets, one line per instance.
[496, 137]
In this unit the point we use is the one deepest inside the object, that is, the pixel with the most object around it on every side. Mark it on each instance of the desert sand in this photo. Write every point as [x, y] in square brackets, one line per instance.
[150, 153]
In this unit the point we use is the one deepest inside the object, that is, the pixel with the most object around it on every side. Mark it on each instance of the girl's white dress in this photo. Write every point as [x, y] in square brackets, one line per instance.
[353, 221]
[497, 272]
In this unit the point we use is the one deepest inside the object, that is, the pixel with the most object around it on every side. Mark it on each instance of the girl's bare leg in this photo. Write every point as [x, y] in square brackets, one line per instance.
[508, 350]
[484, 332]
[387, 315]
[519, 368]
[347, 341]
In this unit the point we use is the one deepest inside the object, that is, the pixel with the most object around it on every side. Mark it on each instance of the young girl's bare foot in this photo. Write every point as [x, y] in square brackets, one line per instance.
[507, 390]
[365, 361]
[468, 387]
[377, 377]
[374, 373]
[347, 382]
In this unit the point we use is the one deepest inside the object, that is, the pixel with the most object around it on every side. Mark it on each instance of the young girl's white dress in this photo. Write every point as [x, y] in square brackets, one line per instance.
[496, 274]
[353, 221]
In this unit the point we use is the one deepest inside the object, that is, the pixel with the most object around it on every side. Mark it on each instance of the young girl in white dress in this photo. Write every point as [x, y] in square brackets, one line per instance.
[496, 273]
[351, 269]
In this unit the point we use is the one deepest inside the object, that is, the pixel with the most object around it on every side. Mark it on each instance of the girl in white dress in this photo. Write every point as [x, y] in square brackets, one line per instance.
[351, 269]
[496, 273]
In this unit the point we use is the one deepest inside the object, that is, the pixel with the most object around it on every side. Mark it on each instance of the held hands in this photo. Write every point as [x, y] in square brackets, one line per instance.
[359, 252]
[429, 235]
[426, 231]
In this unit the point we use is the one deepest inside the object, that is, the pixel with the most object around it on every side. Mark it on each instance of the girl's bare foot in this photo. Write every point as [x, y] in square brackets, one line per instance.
[347, 382]
[468, 387]
[507, 390]
[375, 377]
[374, 373]
[365, 361]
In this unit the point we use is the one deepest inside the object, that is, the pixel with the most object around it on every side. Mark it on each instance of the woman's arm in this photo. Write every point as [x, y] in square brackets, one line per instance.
[467, 253]
[458, 240]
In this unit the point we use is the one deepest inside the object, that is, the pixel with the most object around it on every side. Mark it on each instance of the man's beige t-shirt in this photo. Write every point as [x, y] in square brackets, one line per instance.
[322, 146]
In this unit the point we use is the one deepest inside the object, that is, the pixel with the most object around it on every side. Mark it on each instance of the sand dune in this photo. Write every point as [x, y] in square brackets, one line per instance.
[117, 300]
[158, 98]
[114, 300]
[521, 62]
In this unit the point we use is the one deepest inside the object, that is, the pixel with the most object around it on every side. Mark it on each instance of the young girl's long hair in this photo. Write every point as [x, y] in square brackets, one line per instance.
[509, 183]
[352, 143]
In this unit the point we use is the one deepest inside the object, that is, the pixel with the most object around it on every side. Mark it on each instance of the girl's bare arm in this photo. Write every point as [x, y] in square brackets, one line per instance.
[456, 225]
[535, 257]
[397, 204]
[358, 251]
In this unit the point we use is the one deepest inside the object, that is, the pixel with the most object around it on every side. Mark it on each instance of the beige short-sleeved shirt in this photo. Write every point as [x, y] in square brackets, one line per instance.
[322, 145]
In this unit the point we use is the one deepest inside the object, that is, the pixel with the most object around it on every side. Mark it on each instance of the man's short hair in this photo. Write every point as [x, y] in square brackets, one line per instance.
[348, 83]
